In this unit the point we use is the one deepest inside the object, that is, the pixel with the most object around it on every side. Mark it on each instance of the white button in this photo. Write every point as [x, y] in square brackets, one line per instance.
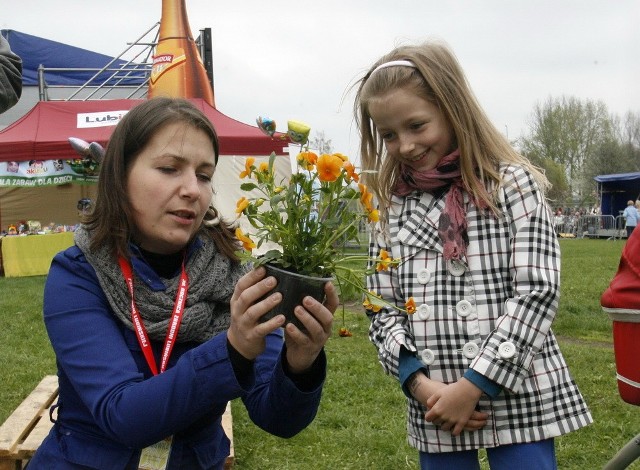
[428, 357]
[423, 311]
[464, 308]
[470, 350]
[423, 276]
[506, 350]
[455, 267]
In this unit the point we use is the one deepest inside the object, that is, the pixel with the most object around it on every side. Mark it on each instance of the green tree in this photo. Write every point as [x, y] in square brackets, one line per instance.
[568, 132]
[618, 154]
[630, 139]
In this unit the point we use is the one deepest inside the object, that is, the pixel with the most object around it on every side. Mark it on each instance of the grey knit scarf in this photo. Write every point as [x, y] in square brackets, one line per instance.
[212, 278]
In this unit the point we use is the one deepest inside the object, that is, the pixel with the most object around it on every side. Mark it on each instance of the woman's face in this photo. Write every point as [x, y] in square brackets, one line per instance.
[169, 187]
[413, 129]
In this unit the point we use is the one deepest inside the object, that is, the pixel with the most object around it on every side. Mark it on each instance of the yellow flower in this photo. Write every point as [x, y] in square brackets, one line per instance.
[374, 215]
[248, 163]
[247, 243]
[264, 167]
[384, 260]
[278, 189]
[329, 167]
[411, 306]
[342, 157]
[241, 205]
[307, 160]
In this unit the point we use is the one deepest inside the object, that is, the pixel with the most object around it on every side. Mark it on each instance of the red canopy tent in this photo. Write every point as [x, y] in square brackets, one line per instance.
[42, 133]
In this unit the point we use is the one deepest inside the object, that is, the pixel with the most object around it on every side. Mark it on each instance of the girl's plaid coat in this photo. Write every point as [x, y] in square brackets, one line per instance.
[492, 312]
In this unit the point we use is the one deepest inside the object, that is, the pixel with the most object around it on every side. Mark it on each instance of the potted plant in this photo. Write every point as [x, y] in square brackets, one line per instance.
[309, 220]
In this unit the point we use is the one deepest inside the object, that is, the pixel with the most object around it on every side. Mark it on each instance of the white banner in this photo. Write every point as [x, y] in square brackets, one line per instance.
[101, 119]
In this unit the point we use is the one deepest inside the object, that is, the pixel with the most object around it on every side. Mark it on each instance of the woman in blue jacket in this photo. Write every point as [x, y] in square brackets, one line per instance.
[155, 324]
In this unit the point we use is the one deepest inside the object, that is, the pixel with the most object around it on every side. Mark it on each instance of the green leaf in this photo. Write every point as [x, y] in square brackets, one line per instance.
[248, 186]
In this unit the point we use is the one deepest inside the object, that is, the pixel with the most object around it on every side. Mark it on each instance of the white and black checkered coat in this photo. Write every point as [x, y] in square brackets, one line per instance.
[491, 312]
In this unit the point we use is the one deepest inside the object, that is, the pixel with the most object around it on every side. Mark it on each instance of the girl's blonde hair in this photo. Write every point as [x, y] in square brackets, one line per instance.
[438, 78]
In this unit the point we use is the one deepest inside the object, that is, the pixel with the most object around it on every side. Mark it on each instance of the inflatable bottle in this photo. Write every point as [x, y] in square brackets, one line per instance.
[177, 69]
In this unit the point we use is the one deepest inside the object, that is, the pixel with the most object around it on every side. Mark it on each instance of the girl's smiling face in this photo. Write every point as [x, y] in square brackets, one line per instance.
[413, 129]
[169, 187]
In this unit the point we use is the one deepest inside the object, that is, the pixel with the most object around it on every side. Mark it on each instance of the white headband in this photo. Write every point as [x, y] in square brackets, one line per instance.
[394, 63]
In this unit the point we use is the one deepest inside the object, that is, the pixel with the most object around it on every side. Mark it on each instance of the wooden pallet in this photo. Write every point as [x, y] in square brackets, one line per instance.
[23, 432]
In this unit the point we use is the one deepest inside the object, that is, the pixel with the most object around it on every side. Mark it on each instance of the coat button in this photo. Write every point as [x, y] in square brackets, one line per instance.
[470, 350]
[423, 311]
[464, 308]
[428, 357]
[424, 276]
[455, 267]
[507, 350]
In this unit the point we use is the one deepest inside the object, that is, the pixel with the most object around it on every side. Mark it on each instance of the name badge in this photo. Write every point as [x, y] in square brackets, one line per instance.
[156, 456]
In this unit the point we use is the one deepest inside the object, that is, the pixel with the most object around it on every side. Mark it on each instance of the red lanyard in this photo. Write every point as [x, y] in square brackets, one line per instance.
[174, 324]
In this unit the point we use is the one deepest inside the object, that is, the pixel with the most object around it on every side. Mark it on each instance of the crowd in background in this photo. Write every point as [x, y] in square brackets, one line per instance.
[575, 222]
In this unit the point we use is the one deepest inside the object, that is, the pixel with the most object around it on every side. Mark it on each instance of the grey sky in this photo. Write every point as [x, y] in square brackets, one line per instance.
[297, 60]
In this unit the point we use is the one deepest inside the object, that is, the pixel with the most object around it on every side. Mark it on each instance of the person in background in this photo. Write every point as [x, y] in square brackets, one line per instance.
[10, 76]
[154, 322]
[558, 221]
[84, 207]
[630, 215]
[466, 216]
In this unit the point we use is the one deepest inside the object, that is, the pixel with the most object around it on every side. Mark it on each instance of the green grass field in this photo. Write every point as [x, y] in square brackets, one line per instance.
[361, 422]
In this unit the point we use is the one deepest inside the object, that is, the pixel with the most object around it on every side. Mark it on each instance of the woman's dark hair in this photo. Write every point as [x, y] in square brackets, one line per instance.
[110, 222]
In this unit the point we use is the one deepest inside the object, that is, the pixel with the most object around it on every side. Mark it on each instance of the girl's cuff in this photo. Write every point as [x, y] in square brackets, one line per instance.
[488, 386]
[407, 366]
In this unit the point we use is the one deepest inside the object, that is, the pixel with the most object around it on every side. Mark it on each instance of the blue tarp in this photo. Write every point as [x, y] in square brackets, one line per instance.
[616, 189]
[35, 51]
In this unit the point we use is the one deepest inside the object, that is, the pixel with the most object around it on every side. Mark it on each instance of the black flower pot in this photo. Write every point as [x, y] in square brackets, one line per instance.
[293, 287]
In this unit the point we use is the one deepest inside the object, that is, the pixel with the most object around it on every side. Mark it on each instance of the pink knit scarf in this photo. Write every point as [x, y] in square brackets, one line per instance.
[452, 226]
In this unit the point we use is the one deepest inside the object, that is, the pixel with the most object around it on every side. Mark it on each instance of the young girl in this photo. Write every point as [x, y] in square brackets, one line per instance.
[467, 216]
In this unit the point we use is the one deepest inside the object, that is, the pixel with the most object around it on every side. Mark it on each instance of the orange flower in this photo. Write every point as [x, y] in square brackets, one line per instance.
[344, 332]
[307, 160]
[411, 306]
[351, 172]
[366, 198]
[247, 243]
[342, 157]
[329, 167]
[264, 167]
[384, 260]
[368, 305]
[241, 205]
[248, 163]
